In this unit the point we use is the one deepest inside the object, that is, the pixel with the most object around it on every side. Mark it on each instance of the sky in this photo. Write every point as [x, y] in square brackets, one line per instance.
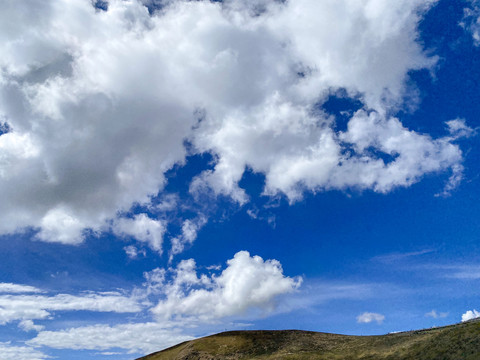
[171, 169]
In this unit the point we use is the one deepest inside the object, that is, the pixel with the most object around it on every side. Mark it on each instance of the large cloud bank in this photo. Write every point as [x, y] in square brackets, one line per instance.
[97, 105]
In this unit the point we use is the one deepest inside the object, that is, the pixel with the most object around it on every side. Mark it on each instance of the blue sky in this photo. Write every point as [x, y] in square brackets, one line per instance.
[172, 169]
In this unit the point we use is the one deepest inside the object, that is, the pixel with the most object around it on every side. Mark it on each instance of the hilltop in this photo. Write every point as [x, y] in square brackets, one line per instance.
[454, 342]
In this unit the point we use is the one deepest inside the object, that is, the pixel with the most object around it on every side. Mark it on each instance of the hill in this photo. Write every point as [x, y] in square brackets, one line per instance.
[454, 342]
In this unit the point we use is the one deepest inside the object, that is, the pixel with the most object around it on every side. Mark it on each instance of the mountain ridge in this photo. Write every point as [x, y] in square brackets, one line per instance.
[451, 342]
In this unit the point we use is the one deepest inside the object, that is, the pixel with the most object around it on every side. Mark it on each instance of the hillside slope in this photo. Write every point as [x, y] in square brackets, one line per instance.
[460, 341]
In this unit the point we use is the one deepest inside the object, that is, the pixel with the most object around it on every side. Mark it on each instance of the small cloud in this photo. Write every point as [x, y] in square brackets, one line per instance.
[393, 257]
[436, 315]
[169, 202]
[133, 253]
[268, 217]
[190, 229]
[453, 181]
[28, 325]
[470, 315]
[368, 317]
[143, 229]
[252, 213]
[458, 128]
[214, 267]
[109, 353]
[242, 325]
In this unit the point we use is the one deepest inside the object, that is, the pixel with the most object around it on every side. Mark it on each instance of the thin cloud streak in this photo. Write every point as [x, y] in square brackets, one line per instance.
[395, 257]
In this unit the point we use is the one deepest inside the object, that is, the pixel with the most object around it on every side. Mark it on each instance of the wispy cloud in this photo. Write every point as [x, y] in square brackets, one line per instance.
[135, 338]
[465, 272]
[394, 257]
[317, 293]
[453, 271]
[34, 307]
[9, 288]
[9, 352]
[436, 315]
[471, 20]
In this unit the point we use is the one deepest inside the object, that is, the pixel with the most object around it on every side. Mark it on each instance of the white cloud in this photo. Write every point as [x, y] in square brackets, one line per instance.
[248, 286]
[393, 257]
[168, 203]
[324, 164]
[247, 283]
[154, 281]
[29, 325]
[368, 317]
[436, 315]
[31, 307]
[10, 288]
[59, 226]
[136, 338]
[187, 298]
[470, 315]
[471, 20]
[143, 229]
[100, 103]
[9, 352]
[190, 229]
[132, 252]
[109, 353]
[458, 128]
[458, 271]
[466, 273]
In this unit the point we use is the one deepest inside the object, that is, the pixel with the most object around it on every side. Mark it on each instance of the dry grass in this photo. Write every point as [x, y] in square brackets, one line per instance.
[455, 342]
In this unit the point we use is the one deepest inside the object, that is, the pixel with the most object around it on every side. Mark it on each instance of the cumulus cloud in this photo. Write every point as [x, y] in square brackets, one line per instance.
[143, 229]
[31, 307]
[187, 298]
[436, 315]
[9, 351]
[368, 317]
[99, 105]
[470, 315]
[247, 283]
[136, 338]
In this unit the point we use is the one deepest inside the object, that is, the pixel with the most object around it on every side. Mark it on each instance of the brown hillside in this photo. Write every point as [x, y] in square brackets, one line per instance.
[454, 342]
